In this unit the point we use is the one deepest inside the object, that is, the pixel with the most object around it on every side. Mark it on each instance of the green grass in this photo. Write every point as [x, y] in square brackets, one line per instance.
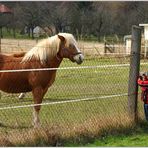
[138, 139]
[76, 84]
[133, 138]
[123, 140]
[89, 116]
[10, 34]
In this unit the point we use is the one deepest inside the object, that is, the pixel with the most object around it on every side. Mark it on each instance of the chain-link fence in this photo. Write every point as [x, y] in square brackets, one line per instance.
[84, 100]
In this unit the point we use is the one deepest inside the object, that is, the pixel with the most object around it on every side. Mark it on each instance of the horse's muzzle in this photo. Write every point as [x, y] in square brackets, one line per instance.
[78, 58]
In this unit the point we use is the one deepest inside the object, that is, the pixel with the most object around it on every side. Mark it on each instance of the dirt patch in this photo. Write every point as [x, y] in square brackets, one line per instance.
[16, 45]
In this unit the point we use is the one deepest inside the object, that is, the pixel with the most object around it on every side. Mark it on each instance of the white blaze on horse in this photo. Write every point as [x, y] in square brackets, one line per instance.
[48, 53]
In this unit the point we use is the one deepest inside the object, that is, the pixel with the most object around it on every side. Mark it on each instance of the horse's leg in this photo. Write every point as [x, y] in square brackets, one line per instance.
[22, 95]
[38, 94]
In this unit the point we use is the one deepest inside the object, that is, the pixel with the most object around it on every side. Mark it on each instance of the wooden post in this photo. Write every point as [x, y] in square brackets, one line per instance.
[134, 72]
[105, 51]
[145, 49]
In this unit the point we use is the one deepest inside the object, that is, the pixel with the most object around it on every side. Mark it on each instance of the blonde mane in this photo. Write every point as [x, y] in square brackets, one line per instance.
[48, 48]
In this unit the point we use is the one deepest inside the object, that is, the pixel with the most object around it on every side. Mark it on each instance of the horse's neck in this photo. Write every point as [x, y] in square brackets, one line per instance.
[54, 63]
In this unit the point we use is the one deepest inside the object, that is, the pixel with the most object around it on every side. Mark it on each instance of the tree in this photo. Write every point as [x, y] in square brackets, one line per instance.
[30, 15]
[95, 18]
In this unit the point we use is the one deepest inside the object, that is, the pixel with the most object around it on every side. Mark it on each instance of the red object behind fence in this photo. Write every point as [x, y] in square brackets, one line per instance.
[143, 82]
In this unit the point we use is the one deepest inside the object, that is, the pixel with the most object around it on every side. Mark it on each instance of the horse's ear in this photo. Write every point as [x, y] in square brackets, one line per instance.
[61, 38]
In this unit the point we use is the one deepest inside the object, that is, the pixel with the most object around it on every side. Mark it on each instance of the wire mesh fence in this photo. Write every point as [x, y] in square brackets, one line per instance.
[83, 100]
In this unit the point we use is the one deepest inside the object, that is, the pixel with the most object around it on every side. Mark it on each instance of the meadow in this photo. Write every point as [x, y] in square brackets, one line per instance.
[104, 110]
[133, 137]
[105, 87]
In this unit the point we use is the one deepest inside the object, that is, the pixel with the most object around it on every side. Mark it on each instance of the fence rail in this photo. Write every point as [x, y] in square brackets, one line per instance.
[68, 68]
[63, 102]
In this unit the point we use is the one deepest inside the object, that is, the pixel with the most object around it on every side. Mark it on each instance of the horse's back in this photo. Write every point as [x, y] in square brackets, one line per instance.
[14, 55]
[13, 82]
[19, 55]
[3, 58]
[11, 56]
[24, 81]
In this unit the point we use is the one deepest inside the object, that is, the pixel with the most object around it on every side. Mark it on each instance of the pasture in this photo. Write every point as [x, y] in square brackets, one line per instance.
[105, 86]
[133, 137]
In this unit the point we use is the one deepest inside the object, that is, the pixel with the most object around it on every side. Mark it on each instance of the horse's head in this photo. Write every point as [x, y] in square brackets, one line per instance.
[68, 48]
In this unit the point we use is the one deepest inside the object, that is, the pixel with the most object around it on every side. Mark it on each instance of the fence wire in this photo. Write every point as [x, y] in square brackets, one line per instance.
[83, 100]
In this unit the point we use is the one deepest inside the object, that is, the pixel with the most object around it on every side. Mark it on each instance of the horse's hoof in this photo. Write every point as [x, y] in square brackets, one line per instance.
[21, 96]
[36, 125]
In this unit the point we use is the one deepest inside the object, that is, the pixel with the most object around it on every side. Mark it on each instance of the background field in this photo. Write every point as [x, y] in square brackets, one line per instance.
[108, 108]
[90, 48]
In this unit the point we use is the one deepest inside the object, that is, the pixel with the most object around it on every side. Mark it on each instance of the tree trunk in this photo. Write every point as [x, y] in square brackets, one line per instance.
[14, 33]
[32, 35]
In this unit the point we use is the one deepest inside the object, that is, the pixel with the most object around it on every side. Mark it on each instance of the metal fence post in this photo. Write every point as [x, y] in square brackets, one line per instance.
[134, 72]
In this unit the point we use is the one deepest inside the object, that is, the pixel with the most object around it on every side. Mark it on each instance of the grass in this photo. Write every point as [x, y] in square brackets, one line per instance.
[62, 134]
[123, 140]
[10, 35]
[77, 120]
[134, 137]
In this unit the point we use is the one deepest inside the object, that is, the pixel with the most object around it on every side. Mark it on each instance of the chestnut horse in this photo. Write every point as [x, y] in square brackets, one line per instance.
[48, 53]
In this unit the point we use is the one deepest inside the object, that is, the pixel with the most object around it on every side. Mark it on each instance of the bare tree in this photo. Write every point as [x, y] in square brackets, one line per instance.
[30, 15]
[95, 18]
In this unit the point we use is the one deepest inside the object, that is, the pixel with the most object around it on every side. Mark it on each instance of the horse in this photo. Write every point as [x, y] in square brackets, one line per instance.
[47, 53]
